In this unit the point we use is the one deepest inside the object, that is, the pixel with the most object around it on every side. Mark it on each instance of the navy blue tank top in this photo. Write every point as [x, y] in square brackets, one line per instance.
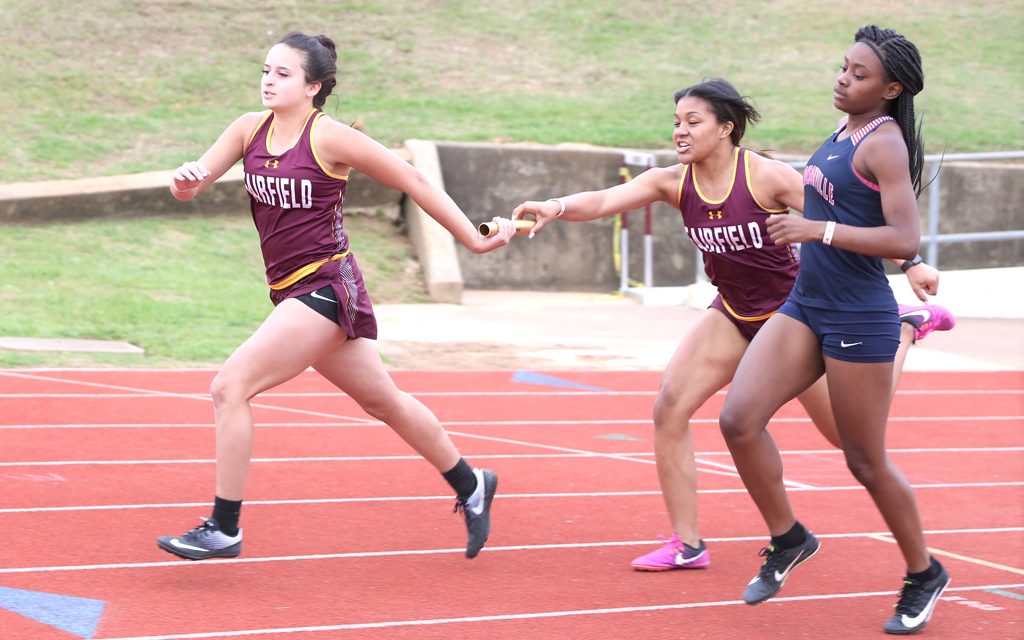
[832, 278]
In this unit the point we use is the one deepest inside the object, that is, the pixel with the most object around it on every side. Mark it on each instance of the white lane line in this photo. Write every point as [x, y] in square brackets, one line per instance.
[475, 456]
[189, 396]
[498, 394]
[360, 422]
[390, 624]
[426, 552]
[503, 496]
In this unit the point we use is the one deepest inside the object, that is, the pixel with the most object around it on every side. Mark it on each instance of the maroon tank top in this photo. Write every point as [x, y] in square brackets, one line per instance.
[753, 274]
[296, 202]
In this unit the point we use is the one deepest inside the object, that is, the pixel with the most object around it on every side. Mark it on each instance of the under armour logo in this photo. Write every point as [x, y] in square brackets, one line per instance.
[714, 215]
[273, 164]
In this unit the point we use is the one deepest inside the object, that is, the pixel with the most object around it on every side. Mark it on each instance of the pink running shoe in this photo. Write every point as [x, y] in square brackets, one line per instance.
[927, 318]
[674, 555]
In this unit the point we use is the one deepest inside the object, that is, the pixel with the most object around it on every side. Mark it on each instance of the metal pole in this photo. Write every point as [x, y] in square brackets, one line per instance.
[624, 253]
[648, 239]
[933, 220]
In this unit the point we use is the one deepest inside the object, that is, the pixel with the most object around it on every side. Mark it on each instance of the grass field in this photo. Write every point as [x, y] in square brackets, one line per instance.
[111, 87]
[188, 290]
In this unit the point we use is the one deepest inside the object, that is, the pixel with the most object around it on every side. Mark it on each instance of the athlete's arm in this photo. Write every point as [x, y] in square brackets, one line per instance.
[882, 158]
[342, 146]
[193, 177]
[775, 184]
[654, 185]
[778, 185]
[923, 279]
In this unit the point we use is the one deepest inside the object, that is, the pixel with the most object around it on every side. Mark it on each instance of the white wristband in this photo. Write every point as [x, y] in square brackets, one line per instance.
[830, 230]
[561, 206]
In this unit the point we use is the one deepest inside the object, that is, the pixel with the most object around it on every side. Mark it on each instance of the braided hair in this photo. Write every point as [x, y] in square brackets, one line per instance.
[902, 63]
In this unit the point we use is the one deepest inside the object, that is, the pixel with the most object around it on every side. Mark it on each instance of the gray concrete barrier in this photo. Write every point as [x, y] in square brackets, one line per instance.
[491, 179]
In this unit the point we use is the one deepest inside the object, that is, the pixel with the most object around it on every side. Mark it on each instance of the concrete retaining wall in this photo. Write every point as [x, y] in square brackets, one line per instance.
[487, 180]
[492, 179]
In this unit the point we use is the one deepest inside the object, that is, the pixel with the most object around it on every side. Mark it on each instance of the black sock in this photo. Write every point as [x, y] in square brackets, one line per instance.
[792, 538]
[930, 573]
[226, 513]
[462, 479]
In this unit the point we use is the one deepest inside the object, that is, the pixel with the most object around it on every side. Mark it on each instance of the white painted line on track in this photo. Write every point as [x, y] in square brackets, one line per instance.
[475, 456]
[488, 394]
[188, 396]
[956, 556]
[358, 422]
[390, 624]
[220, 562]
[502, 496]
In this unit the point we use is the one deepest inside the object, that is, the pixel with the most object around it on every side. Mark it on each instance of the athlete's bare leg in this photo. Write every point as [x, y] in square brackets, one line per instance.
[906, 341]
[261, 363]
[703, 363]
[783, 361]
[861, 395]
[355, 367]
[818, 405]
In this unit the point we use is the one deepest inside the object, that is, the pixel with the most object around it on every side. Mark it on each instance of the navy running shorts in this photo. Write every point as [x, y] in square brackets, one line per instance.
[852, 336]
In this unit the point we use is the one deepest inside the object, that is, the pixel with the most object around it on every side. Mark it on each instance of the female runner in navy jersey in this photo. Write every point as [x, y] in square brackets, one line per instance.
[725, 194]
[841, 318]
[297, 161]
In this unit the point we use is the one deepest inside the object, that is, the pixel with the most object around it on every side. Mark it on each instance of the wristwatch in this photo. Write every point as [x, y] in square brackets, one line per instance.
[911, 263]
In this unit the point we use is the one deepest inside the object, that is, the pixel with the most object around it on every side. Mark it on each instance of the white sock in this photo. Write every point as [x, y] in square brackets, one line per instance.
[475, 502]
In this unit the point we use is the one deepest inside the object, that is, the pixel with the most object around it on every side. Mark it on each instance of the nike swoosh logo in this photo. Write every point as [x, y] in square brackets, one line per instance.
[832, 157]
[781, 577]
[923, 616]
[844, 344]
[319, 297]
[181, 545]
[681, 561]
[924, 314]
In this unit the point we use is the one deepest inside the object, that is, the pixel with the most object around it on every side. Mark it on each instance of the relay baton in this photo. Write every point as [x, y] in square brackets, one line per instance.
[488, 229]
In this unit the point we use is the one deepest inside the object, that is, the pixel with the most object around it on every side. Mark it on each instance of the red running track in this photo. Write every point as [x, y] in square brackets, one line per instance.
[350, 535]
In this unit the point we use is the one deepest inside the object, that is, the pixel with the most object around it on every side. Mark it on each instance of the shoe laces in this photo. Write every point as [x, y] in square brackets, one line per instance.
[912, 597]
[208, 527]
[461, 504]
[772, 558]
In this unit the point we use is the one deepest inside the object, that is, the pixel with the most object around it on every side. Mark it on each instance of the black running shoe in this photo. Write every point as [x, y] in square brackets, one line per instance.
[205, 541]
[477, 510]
[776, 568]
[916, 604]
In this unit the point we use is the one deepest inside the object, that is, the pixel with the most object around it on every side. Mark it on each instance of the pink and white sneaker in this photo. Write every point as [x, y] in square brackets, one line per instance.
[927, 318]
[674, 555]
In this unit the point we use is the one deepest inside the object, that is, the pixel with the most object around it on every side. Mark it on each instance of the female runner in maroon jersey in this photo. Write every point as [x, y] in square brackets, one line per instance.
[725, 194]
[297, 161]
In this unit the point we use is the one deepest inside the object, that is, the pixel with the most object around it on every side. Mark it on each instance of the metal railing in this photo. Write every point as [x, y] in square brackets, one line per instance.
[934, 238]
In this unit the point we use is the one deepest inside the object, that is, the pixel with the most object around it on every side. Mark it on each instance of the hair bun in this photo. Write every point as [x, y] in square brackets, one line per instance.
[329, 44]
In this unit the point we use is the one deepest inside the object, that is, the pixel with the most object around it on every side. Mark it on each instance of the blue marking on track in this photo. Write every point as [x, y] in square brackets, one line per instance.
[528, 377]
[1008, 594]
[79, 616]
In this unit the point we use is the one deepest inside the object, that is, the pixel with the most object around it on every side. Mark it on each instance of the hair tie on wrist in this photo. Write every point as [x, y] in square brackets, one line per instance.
[561, 206]
[830, 230]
